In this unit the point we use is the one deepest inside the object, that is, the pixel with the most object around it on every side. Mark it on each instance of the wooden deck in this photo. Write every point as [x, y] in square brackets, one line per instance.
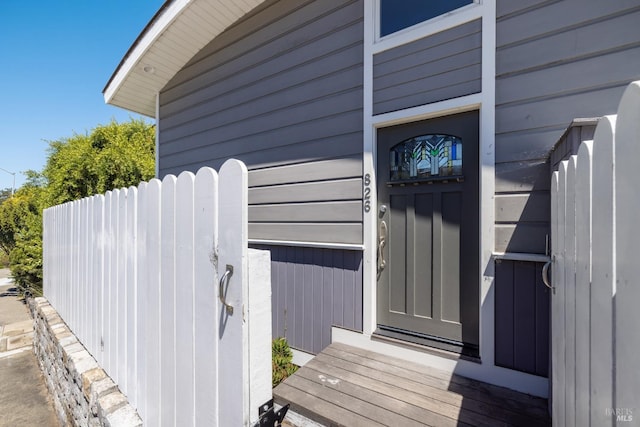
[347, 386]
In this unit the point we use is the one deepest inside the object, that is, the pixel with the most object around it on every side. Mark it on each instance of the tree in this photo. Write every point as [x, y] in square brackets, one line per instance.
[112, 156]
[20, 235]
[14, 212]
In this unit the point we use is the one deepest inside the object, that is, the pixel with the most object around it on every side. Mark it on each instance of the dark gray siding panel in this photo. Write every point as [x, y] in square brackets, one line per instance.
[555, 61]
[442, 66]
[521, 317]
[280, 90]
[313, 290]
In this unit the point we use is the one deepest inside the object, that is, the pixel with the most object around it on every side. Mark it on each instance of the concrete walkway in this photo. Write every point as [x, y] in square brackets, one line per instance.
[24, 400]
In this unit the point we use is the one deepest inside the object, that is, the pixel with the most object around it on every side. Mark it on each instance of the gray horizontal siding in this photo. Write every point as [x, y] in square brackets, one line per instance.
[280, 90]
[347, 233]
[312, 211]
[326, 206]
[528, 207]
[555, 61]
[442, 66]
[313, 290]
[307, 191]
[521, 317]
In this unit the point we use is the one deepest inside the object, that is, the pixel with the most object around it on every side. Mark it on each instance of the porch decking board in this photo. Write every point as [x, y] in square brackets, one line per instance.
[483, 392]
[347, 386]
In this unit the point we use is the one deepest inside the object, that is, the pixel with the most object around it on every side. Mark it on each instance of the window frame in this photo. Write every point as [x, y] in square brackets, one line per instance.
[422, 29]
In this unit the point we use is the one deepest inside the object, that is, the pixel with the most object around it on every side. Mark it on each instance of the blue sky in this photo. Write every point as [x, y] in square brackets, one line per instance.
[55, 59]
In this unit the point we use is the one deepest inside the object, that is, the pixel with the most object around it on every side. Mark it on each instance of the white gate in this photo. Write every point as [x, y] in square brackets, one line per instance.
[595, 203]
[155, 281]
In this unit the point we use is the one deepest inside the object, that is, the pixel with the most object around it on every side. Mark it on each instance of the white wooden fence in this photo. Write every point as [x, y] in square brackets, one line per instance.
[596, 275]
[135, 274]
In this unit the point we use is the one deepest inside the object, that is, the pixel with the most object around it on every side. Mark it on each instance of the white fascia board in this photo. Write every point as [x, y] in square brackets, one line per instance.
[143, 46]
[130, 87]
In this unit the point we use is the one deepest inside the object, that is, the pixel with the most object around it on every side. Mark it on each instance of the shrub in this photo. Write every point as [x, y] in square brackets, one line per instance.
[281, 364]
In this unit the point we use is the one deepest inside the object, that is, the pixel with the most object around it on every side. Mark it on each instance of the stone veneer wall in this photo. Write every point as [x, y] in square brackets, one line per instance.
[82, 392]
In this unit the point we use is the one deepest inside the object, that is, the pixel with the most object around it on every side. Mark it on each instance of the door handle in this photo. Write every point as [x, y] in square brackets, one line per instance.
[382, 241]
[225, 277]
[545, 275]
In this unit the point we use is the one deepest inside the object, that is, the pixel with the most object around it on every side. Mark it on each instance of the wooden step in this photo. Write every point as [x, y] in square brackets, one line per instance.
[347, 386]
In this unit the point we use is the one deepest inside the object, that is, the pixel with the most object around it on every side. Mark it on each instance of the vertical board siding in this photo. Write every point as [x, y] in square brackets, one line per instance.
[522, 317]
[555, 61]
[442, 66]
[595, 201]
[281, 90]
[313, 290]
[134, 273]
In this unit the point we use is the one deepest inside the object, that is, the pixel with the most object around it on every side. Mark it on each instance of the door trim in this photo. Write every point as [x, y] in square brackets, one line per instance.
[485, 102]
[461, 335]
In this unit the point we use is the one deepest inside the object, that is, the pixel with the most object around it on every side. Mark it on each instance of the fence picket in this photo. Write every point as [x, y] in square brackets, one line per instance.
[167, 301]
[141, 293]
[206, 307]
[107, 319]
[122, 357]
[89, 295]
[98, 277]
[603, 272]
[151, 295]
[558, 301]
[583, 280]
[570, 293]
[131, 294]
[184, 298]
[627, 290]
[134, 273]
[233, 251]
[115, 298]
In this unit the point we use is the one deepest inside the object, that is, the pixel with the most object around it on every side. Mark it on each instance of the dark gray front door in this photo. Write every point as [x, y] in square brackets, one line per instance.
[428, 217]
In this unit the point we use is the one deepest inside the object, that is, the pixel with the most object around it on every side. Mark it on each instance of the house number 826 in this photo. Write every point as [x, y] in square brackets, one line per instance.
[367, 193]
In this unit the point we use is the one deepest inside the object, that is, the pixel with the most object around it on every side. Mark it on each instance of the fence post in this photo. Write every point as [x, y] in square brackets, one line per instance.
[259, 330]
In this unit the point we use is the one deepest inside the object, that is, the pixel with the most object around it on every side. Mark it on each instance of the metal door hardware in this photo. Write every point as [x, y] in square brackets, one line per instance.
[225, 277]
[269, 417]
[382, 241]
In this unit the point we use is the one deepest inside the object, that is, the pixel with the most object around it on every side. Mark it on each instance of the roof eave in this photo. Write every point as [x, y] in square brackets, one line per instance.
[143, 71]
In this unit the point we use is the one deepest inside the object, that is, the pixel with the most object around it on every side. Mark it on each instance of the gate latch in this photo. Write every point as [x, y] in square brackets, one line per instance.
[270, 418]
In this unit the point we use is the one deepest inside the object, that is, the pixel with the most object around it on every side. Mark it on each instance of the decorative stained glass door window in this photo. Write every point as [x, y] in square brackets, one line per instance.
[426, 156]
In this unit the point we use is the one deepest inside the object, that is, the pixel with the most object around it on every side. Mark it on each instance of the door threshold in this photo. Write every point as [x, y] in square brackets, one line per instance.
[452, 351]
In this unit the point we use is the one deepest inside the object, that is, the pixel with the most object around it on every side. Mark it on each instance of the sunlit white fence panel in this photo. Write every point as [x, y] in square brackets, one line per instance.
[595, 202]
[135, 275]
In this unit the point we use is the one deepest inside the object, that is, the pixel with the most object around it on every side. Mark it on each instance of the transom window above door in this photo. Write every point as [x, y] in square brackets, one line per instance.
[426, 157]
[396, 15]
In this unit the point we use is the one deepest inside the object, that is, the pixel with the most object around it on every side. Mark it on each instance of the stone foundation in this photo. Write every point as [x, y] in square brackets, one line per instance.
[82, 392]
